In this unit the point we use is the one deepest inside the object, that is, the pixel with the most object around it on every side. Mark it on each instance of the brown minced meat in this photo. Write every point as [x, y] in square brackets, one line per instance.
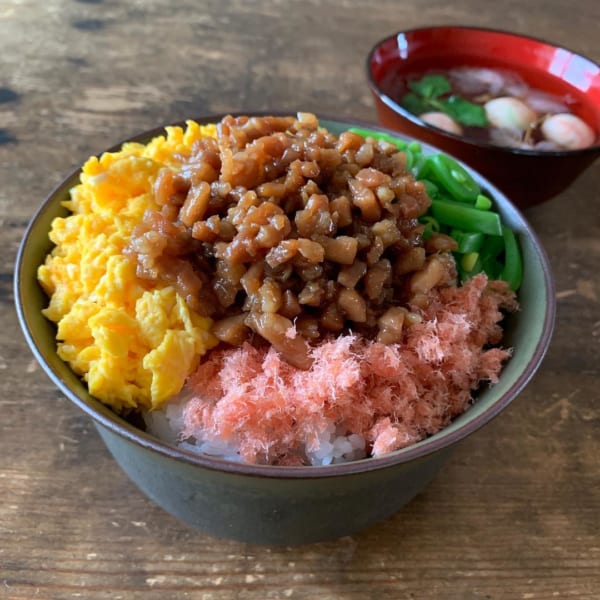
[280, 229]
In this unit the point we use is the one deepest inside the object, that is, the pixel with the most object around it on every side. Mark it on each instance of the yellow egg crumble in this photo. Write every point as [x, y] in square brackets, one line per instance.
[133, 342]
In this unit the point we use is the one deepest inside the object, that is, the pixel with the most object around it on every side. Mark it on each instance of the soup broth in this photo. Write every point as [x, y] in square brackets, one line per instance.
[492, 105]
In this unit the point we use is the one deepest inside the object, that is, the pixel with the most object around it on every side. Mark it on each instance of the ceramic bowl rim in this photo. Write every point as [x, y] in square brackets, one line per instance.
[103, 416]
[394, 106]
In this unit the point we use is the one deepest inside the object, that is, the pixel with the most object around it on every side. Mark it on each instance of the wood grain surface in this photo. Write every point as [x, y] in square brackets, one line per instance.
[516, 513]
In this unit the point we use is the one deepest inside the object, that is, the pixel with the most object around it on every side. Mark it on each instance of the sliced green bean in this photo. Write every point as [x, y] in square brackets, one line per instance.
[474, 262]
[512, 272]
[467, 241]
[469, 260]
[453, 178]
[414, 147]
[467, 218]
[433, 191]
[492, 267]
[491, 251]
[483, 202]
[419, 166]
[492, 247]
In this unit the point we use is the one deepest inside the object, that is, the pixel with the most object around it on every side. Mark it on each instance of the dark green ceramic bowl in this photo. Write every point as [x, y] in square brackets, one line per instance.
[286, 505]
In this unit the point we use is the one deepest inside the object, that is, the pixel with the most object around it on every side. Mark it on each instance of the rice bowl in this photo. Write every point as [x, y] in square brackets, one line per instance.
[341, 326]
[144, 457]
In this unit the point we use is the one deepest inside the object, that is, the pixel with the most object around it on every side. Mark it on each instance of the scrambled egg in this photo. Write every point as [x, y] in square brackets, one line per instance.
[133, 342]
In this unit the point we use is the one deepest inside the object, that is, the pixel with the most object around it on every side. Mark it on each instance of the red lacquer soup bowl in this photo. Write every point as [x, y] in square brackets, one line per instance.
[527, 176]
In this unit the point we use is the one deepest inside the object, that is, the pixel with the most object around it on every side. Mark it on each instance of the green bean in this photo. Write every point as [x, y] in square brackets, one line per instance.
[492, 267]
[419, 166]
[491, 251]
[483, 202]
[493, 246]
[467, 241]
[512, 272]
[453, 178]
[414, 147]
[433, 191]
[471, 263]
[466, 218]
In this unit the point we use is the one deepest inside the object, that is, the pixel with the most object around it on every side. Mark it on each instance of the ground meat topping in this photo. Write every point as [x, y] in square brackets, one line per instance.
[278, 225]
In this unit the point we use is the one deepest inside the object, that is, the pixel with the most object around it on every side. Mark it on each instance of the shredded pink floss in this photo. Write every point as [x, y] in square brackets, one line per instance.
[392, 395]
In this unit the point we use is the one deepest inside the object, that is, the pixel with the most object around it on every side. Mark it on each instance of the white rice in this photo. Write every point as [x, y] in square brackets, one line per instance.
[168, 425]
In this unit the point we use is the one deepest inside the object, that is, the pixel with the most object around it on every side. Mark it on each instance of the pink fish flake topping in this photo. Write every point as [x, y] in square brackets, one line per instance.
[392, 395]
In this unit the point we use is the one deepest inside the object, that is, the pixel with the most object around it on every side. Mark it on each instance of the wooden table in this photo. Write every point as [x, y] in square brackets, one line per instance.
[516, 514]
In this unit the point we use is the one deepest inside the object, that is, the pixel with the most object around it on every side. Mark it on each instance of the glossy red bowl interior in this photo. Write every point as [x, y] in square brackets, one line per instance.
[526, 176]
